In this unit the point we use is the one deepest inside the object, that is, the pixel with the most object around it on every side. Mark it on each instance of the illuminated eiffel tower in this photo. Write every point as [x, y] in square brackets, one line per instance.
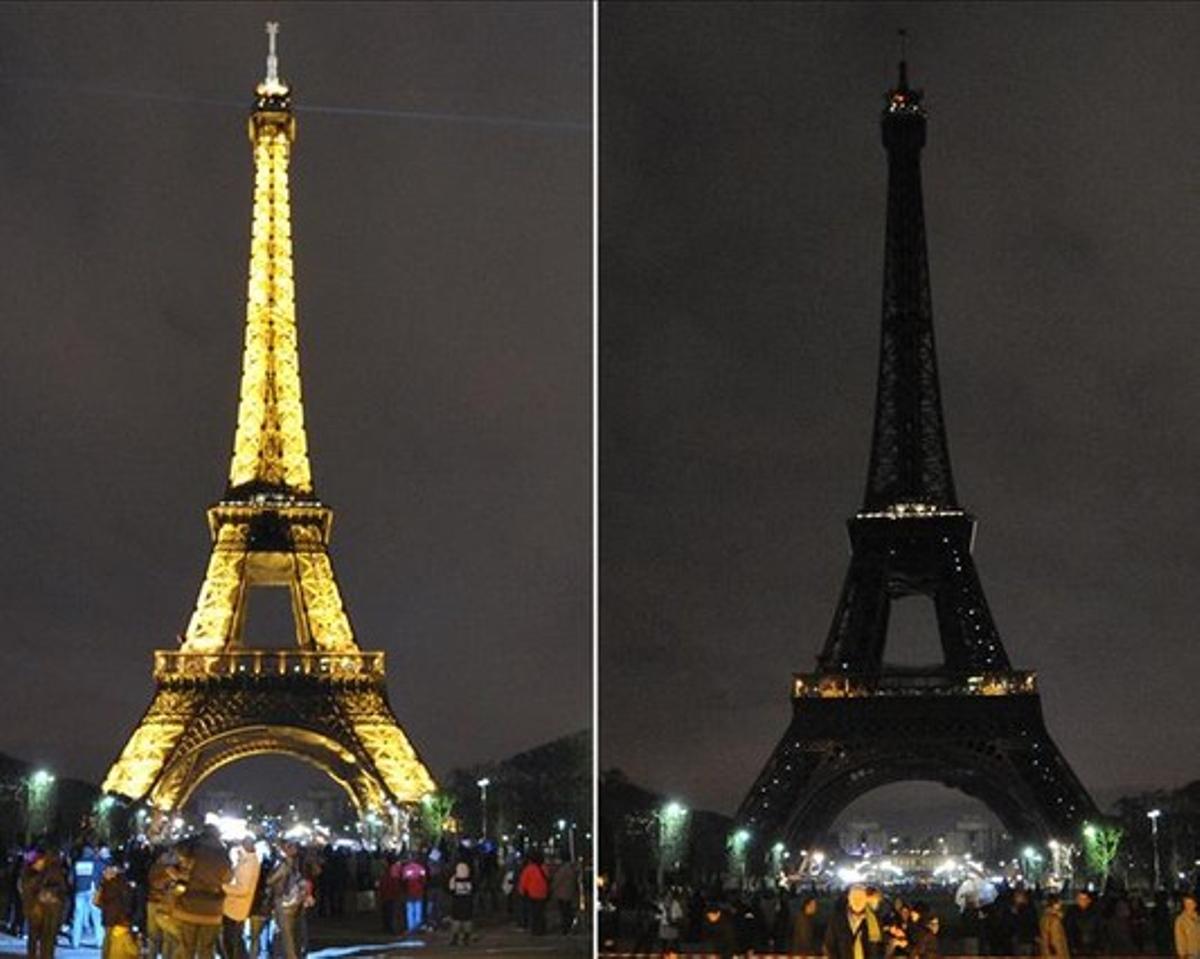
[322, 700]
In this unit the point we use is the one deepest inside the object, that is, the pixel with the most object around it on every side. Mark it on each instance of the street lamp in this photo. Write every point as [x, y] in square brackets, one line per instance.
[483, 785]
[36, 788]
[670, 826]
[1153, 815]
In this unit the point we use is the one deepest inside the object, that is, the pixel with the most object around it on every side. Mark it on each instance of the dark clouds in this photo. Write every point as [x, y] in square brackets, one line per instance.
[444, 290]
[742, 238]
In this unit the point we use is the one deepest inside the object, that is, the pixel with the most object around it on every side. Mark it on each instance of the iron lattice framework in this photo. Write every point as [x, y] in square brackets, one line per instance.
[971, 721]
[322, 700]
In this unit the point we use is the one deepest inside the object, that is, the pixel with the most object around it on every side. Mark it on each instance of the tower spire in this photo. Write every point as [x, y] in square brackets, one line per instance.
[272, 77]
[270, 449]
[910, 460]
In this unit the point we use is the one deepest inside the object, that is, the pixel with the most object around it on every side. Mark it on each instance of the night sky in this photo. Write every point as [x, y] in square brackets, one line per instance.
[742, 214]
[444, 255]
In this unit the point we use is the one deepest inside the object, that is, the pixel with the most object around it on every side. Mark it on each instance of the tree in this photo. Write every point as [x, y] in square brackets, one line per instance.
[1100, 845]
[435, 810]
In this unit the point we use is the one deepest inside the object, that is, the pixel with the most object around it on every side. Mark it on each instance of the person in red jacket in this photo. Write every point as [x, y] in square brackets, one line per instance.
[534, 885]
[413, 875]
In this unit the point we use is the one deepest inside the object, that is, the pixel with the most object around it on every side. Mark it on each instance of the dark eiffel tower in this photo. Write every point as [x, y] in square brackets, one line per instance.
[972, 722]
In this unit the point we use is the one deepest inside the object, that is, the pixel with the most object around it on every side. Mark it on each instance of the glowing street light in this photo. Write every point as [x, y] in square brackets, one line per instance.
[37, 790]
[1153, 815]
[738, 842]
[672, 820]
[483, 785]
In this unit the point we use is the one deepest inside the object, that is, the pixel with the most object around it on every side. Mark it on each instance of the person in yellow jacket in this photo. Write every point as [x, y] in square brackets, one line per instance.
[1052, 934]
[1187, 929]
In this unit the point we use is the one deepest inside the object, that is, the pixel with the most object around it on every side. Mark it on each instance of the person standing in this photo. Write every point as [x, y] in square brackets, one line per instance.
[412, 876]
[114, 898]
[43, 893]
[670, 918]
[970, 927]
[1052, 934]
[388, 892]
[239, 895]
[260, 906]
[162, 932]
[462, 904]
[924, 941]
[198, 908]
[848, 934]
[286, 885]
[534, 888]
[803, 941]
[1025, 924]
[86, 874]
[1118, 928]
[717, 930]
[564, 889]
[1083, 926]
[14, 915]
[1187, 929]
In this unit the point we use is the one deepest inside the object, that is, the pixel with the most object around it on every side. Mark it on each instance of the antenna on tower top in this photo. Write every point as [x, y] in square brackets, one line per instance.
[272, 60]
[903, 34]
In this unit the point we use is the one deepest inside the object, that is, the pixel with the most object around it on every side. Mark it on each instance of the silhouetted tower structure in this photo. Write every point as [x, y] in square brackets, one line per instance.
[970, 722]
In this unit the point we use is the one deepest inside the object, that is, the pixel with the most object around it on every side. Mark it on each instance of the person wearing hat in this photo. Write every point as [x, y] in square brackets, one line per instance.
[462, 904]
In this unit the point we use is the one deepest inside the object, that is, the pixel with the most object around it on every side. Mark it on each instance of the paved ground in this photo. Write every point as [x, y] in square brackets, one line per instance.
[340, 940]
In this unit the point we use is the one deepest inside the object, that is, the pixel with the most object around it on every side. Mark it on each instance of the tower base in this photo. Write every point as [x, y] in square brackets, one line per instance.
[983, 735]
[329, 710]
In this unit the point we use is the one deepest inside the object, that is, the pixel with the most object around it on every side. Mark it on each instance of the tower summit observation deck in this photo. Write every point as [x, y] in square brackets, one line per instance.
[315, 695]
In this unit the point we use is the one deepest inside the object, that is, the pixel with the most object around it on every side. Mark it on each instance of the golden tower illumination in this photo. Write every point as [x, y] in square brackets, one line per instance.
[319, 698]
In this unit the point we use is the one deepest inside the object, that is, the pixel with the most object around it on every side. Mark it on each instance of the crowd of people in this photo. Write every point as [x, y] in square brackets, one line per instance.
[200, 897]
[862, 923]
